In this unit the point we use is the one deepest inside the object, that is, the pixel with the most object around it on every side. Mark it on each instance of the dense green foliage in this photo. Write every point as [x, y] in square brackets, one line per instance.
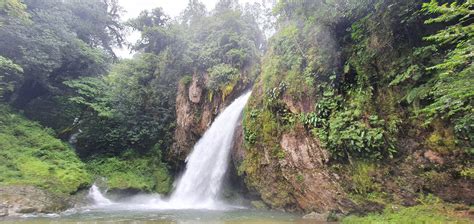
[347, 69]
[12, 9]
[10, 75]
[343, 118]
[448, 91]
[31, 155]
[220, 76]
[132, 172]
[135, 102]
[57, 45]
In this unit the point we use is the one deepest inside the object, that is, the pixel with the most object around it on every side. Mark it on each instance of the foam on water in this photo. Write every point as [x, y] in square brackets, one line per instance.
[97, 196]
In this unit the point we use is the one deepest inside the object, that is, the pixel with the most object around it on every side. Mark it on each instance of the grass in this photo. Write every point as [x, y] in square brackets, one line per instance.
[362, 178]
[31, 155]
[431, 210]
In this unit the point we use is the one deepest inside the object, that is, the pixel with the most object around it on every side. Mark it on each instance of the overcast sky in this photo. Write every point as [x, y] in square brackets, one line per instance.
[171, 7]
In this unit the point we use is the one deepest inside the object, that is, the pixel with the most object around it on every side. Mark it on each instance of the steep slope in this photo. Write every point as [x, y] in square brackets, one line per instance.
[328, 128]
[196, 108]
[38, 171]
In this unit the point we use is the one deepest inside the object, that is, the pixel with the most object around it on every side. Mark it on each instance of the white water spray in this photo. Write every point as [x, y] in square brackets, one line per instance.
[97, 196]
[201, 184]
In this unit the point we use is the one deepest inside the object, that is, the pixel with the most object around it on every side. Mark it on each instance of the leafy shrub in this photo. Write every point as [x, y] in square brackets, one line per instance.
[467, 173]
[131, 174]
[446, 92]
[11, 75]
[130, 108]
[186, 80]
[131, 171]
[220, 76]
[348, 130]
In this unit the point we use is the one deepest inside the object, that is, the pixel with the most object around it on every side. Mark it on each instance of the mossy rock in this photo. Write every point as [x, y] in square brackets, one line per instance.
[260, 205]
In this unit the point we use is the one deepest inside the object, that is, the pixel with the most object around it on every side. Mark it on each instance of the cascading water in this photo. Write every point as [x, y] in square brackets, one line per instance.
[200, 185]
[98, 197]
[206, 166]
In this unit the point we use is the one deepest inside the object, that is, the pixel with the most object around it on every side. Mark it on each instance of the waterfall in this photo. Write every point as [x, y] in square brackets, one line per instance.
[97, 196]
[200, 185]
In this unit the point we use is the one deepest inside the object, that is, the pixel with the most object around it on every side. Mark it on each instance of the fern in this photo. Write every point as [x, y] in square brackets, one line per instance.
[451, 88]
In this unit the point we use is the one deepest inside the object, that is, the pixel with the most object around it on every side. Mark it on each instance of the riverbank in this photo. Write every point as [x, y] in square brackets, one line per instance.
[418, 214]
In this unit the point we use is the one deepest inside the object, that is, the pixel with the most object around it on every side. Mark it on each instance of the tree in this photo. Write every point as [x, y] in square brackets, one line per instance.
[153, 27]
[227, 5]
[131, 108]
[227, 37]
[11, 75]
[451, 87]
[193, 13]
[262, 13]
[62, 42]
[12, 9]
[97, 22]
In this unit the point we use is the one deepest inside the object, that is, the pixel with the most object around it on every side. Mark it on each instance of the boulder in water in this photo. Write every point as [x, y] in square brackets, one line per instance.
[17, 200]
[320, 217]
[3, 210]
[259, 205]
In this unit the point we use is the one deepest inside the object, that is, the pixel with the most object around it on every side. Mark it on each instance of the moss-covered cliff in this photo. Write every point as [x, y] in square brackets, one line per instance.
[337, 122]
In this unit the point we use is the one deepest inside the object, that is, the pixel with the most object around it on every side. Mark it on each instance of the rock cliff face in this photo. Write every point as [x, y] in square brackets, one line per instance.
[196, 108]
[289, 169]
[305, 169]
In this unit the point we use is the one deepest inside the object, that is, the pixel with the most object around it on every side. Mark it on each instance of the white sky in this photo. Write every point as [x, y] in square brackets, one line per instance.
[171, 7]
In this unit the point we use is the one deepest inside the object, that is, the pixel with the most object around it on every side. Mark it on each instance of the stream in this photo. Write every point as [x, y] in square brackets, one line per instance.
[152, 208]
[139, 216]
